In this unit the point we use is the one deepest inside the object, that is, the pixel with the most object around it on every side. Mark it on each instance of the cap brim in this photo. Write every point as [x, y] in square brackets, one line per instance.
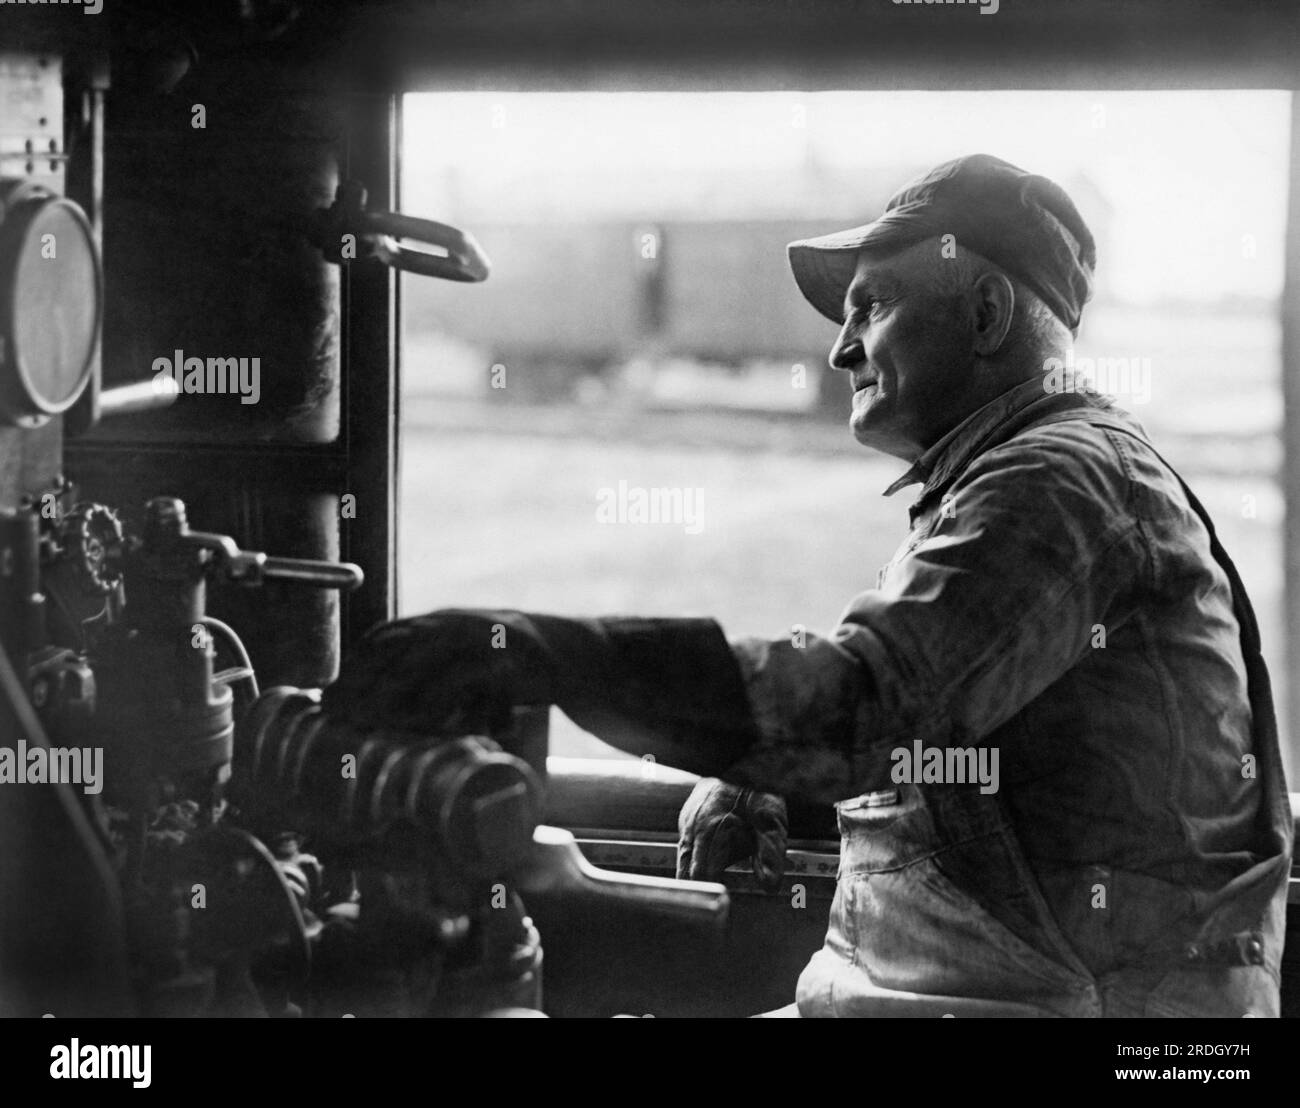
[824, 266]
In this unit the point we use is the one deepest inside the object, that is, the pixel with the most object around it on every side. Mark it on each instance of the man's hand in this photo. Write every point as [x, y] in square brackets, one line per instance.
[451, 669]
[723, 824]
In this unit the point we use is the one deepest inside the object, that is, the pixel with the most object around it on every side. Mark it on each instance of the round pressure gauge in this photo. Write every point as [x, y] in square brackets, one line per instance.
[50, 303]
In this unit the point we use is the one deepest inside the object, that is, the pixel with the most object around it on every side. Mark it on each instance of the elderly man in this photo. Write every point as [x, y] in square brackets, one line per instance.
[1047, 731]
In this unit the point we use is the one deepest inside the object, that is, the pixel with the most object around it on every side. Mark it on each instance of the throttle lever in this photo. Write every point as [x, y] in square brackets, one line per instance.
[252, 568]
[322, 575]
[167, 529]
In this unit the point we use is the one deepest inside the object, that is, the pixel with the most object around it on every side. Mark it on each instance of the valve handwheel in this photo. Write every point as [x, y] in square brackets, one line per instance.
[91, 537]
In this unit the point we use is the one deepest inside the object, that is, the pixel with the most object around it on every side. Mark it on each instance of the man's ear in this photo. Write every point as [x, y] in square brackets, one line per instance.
[994, 301]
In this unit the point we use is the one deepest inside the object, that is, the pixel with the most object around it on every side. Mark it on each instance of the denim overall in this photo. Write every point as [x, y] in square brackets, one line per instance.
[921, 867]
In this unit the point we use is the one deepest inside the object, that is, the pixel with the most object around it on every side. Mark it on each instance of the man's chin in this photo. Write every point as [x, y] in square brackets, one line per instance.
[868, 419]
[865, 430]
[870, 434]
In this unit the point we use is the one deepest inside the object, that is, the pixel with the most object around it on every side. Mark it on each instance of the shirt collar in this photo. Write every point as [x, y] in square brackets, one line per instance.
[954, 449]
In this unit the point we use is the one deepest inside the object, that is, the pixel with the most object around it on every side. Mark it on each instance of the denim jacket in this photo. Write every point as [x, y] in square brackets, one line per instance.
[1057, 601]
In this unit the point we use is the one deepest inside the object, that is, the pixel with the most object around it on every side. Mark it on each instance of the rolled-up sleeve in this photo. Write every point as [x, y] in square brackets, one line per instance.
[1035, 547]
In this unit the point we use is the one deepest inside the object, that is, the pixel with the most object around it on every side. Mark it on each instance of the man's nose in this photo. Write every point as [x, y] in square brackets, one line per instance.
[847, 353]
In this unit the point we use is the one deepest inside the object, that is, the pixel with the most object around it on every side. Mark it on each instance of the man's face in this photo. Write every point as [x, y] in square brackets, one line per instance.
[907, 351]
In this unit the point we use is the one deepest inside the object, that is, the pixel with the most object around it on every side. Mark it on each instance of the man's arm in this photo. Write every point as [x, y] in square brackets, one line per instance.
[1037, 548]
[666, 687]
[991, 608]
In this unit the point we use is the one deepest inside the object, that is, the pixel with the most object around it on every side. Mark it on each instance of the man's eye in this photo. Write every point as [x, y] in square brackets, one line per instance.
[868, 307]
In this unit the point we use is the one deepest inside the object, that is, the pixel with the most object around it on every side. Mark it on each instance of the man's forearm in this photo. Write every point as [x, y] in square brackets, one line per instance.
[670, 688]
[810, 703]
[766, 714]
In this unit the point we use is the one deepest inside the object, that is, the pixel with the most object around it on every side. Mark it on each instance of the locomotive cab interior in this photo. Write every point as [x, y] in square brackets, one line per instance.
[204, 258]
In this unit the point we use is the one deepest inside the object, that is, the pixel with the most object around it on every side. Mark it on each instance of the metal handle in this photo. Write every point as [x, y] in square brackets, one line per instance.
[322, 575]
[252, 567]
[143, 396]
[455, 256]
[463, 259]
[558, 867]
